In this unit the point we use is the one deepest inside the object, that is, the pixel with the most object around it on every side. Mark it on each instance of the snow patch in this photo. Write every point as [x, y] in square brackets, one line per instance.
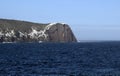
[49, 26]
[10, 34]
[63, 23]
[52, 24]
[40, 35]
[37, 34]
[21, 34]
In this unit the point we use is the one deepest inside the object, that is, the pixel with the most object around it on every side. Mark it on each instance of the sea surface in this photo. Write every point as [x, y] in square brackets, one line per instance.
[60, 59]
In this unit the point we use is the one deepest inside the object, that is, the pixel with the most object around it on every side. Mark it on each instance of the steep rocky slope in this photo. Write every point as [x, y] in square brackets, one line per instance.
[22, 31]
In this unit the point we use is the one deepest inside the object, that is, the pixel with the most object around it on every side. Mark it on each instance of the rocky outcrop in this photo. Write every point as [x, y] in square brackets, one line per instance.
[22, 31]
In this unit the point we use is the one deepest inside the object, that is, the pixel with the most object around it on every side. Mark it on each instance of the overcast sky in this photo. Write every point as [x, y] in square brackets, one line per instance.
[89, 19]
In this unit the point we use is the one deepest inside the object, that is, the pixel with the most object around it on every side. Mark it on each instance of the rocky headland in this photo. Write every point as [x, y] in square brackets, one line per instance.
[23, 31]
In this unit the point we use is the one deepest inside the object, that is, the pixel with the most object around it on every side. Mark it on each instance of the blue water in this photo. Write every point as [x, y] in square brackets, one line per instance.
[60, 59]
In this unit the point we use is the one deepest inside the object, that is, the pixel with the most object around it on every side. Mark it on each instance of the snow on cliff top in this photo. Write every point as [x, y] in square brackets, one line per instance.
[52, 24]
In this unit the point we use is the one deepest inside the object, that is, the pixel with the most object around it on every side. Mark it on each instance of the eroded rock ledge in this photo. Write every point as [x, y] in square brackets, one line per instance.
[22, 31]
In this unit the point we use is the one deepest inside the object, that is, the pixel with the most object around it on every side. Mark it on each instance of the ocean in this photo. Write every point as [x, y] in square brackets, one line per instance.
[60, 59]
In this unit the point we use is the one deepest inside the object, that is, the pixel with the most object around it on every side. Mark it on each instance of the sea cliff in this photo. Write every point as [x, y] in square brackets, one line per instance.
[23, 31]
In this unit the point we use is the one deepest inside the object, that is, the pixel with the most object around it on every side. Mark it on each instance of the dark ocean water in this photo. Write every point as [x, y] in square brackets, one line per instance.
[60, 59]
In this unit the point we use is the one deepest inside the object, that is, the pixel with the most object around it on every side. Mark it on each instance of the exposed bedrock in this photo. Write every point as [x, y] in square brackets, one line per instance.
[22, 31]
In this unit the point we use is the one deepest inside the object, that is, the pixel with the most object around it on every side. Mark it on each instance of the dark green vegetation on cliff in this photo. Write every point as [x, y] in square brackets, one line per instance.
[23, 31]
[19, 25]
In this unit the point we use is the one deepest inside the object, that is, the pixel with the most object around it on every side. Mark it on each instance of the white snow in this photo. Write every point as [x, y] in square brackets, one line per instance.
[37, 34]
[63, 23]
[21, 34]
[52, 24]
[34, 34]
[10, 34]
[49, 26]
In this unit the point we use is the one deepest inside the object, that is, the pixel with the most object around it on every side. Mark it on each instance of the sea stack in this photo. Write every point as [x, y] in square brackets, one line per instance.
[23, 31]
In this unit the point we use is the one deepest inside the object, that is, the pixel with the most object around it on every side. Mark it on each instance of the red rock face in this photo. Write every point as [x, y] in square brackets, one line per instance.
[60, 33]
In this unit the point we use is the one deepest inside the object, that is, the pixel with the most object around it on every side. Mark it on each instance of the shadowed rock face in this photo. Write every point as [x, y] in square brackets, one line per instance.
[22, 31]
[60, 33]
